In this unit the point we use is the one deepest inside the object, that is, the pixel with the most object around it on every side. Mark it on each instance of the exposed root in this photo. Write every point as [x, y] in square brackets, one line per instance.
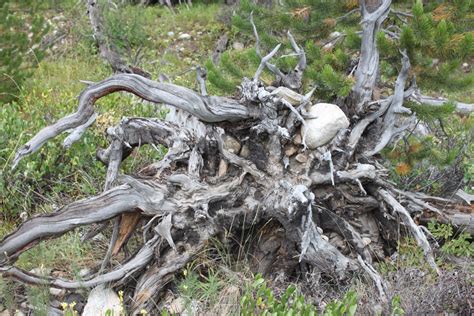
[233, 163]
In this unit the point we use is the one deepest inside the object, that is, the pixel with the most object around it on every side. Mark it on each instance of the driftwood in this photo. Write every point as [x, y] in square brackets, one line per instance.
[233, 163]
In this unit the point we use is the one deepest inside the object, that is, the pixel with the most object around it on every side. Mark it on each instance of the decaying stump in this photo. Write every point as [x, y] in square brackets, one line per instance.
[233, 163]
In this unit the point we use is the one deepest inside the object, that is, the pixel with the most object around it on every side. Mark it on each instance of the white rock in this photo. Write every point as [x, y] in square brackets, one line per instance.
[301, 158]
[328, 46]
[100, 300]
[238, 46]
[170, 34]
[57, 292]
[322, 129]
[366, 241]
[184, 36]
[84, 272]
[24, 216]
[335, 34]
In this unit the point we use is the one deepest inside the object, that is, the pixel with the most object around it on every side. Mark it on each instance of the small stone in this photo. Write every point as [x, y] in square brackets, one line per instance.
[57, 292]
[170, 34]
[328, 47]
[102, 299]
[184, 36]
[335, 34]
[245, 151]
[238, 46]
[223, 165]
[199, 33]
[329, 120]
[377, 309]
[325, 237]
[301, 158]
[366, 241]
[466, 67]
[290, 150]
[319, 229]
[84, 272]
[231, 144]
[41, 271]
[24, 216]
[181, 49]
[297, 139]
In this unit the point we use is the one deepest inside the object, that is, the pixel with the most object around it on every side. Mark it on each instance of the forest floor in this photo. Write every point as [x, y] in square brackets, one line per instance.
[219, 278]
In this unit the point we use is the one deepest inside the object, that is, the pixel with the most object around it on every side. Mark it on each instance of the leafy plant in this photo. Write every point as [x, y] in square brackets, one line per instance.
[459, 245]
[397, 310]
[260, 300]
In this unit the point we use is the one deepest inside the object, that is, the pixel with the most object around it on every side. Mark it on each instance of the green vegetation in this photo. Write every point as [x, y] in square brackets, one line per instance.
[460, 244]
[217, 292]
[21, 31]
[259, 299]
[437, 163]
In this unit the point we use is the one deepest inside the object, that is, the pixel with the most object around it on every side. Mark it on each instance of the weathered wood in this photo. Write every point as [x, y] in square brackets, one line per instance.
[123, 198]
[373, 15]
[459, 107]
[414, 229]
[206, 108]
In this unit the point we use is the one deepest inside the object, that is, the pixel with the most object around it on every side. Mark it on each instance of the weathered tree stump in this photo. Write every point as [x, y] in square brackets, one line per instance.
[237, 162]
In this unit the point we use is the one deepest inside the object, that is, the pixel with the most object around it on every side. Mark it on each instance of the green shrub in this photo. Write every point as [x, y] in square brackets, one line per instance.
[260, 300]
[457, 245]
[21, 31]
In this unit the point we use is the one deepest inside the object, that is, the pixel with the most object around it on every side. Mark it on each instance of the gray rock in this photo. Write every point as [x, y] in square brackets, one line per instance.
[238, 46]
[231, 144]
[245, 151]
[57, 292]
[301, 158]
[84, 272]
[100, 300]
[328, 122]
[184, 36]
[335, 34]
